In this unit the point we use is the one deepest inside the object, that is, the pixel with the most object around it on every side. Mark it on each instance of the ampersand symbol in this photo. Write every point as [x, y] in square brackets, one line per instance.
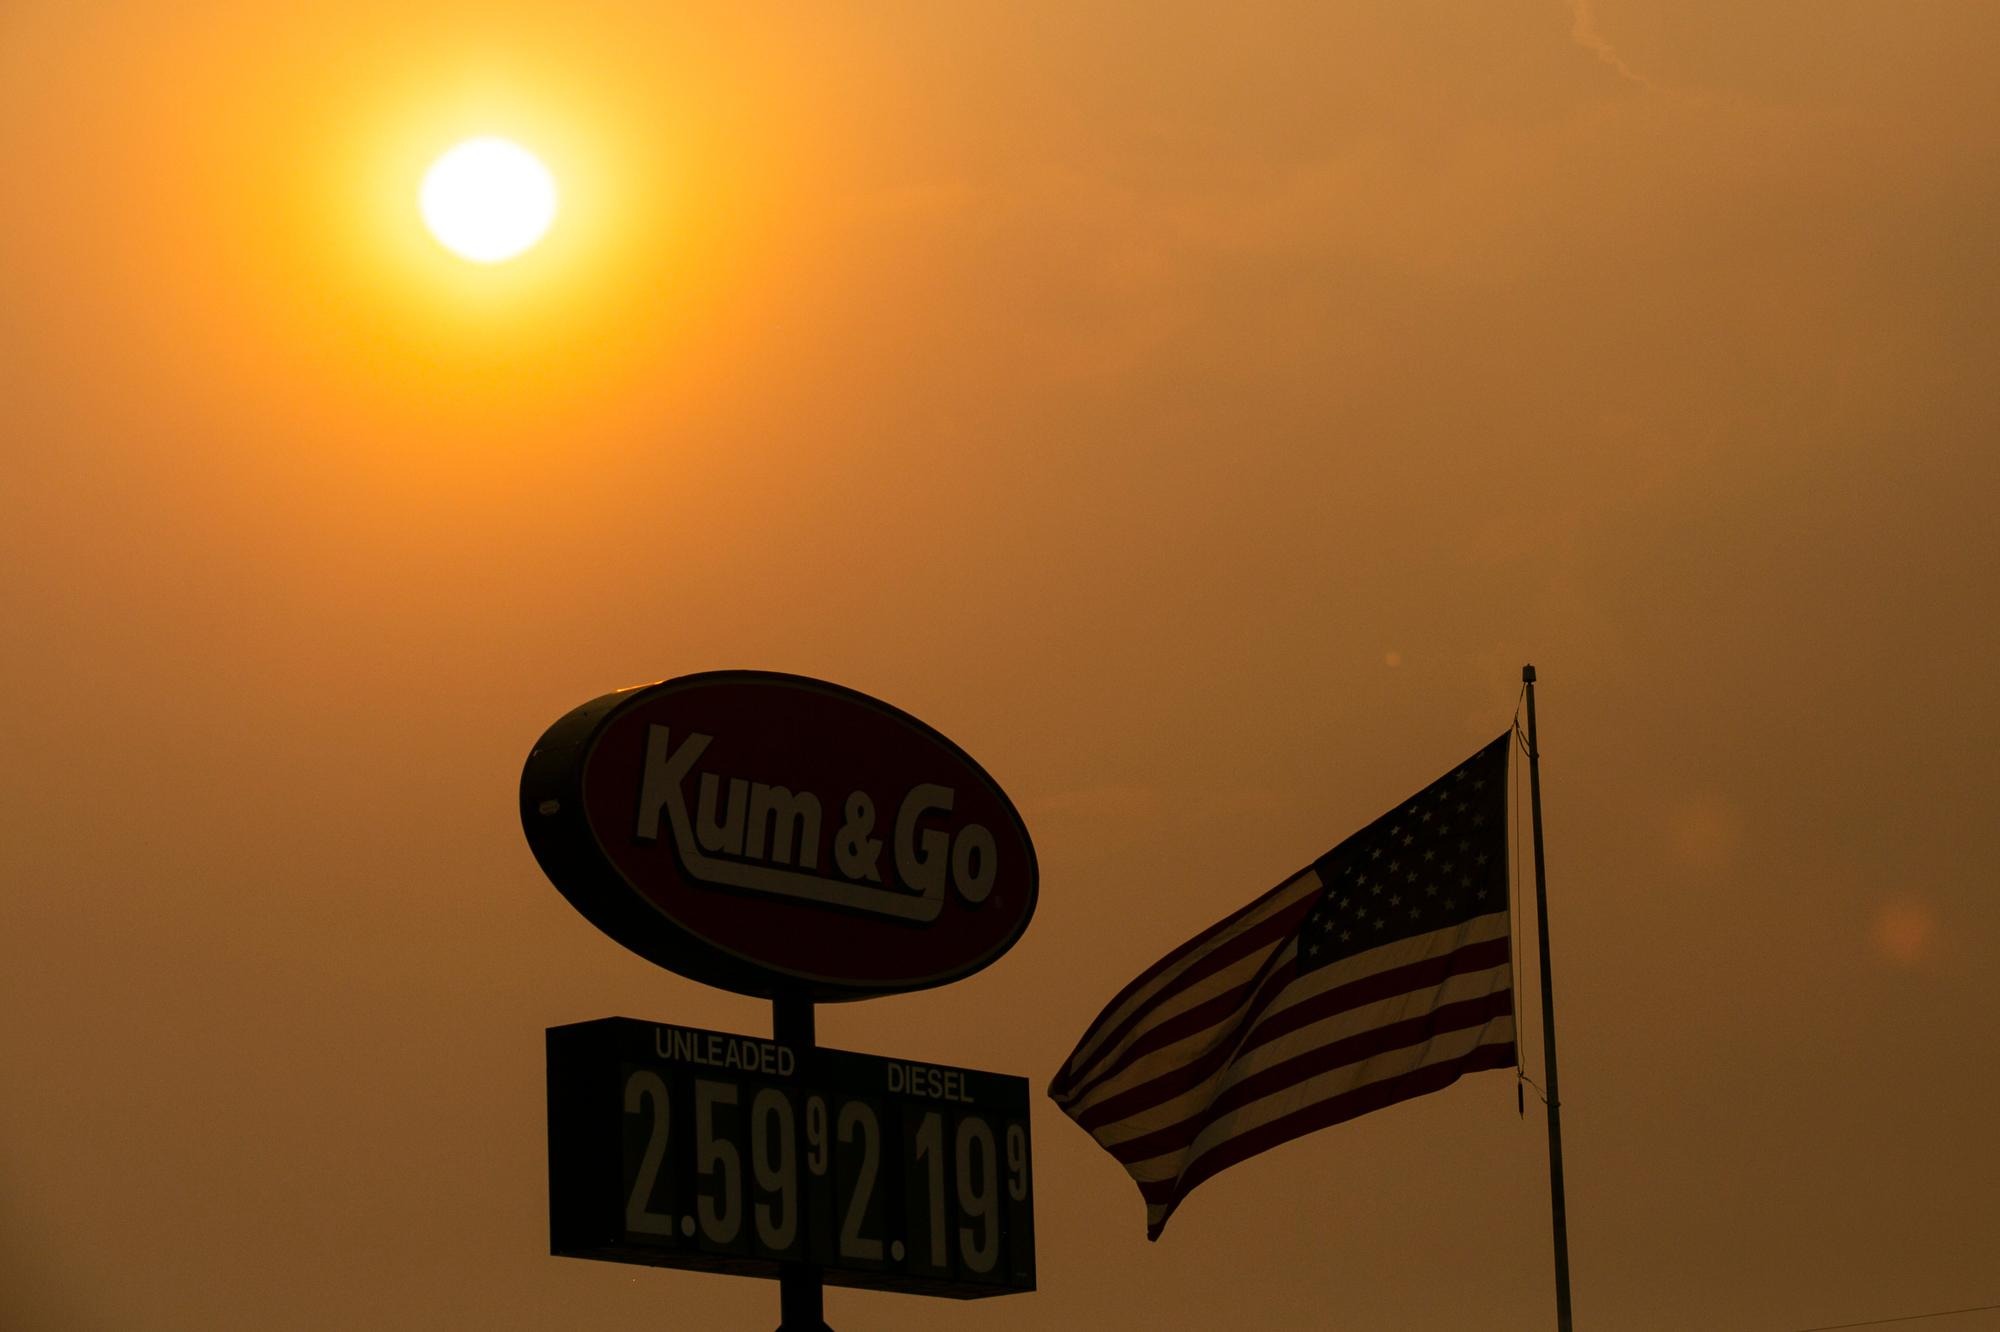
[854, 850]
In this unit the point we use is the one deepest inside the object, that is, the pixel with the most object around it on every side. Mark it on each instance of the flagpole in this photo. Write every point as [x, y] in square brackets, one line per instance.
[1557, 1210]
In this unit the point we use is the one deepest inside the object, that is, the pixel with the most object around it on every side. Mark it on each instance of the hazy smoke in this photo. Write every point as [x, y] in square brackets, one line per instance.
[1584, 30]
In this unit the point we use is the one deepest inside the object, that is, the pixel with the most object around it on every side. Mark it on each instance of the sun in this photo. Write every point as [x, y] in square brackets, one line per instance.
[488, 199]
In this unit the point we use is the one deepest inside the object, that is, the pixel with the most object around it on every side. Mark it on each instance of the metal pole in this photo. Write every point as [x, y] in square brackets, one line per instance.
[1556, 1207]
[800, 1307]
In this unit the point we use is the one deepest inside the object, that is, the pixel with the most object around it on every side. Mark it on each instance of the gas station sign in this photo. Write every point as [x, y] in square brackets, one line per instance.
[796, 840]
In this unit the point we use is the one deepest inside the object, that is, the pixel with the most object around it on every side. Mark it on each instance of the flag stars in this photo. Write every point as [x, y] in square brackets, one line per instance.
[1425, 866]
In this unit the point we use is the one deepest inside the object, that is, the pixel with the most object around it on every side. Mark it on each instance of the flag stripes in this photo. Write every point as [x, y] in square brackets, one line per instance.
[1282, 1005]
[1244, 935]
[1489, 1018]
[1382, 971]
[1329, 1022]
[1164, 1196]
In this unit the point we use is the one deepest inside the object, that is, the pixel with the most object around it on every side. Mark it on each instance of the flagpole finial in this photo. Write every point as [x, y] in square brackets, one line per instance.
[1527, 675]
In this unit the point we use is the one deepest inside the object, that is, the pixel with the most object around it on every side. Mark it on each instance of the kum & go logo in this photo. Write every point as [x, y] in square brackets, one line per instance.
[777, 834]
[761, 837]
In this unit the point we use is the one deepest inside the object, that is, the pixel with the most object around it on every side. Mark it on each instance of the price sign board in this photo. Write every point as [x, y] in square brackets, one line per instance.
[679, 1147]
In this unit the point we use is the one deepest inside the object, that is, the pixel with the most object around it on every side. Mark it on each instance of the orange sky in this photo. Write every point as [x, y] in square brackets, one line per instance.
[1199, 417]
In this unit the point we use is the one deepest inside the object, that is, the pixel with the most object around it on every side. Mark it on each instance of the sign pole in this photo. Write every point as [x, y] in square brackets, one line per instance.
[800, 1308]
[1556, 1206]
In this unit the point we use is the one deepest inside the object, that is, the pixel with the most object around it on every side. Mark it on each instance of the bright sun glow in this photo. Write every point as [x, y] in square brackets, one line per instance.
[488, 199]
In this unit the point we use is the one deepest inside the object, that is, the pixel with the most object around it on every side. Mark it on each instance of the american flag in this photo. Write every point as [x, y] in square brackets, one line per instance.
[1379, 972]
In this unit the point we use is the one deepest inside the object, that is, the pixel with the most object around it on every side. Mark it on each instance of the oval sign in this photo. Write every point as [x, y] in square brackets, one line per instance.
[773, 834]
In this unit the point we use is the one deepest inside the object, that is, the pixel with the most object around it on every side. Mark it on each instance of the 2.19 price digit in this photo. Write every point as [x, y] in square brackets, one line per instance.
[975, 1189]
[858, 1124]
[978, 1194]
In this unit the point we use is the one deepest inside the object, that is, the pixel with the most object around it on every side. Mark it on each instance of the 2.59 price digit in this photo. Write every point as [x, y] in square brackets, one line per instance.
[720, 1211]
[641, 1087]
[773, 1160]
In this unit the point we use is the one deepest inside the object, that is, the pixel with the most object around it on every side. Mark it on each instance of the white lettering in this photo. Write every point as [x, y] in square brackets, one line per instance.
[663, 773]
[727, 833]
[791, 819]
[940, 1084]
[760, 837]
[715, 1050]
[973, 863]
[923, 873]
